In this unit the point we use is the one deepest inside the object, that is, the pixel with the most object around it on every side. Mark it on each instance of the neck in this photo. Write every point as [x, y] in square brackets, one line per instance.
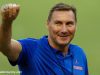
[62, 48]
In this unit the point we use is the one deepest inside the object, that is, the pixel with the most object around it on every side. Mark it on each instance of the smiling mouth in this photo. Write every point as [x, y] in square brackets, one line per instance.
[63, 35]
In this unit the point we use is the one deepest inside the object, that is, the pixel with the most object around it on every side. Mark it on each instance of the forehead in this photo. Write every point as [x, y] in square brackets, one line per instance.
[63, 15]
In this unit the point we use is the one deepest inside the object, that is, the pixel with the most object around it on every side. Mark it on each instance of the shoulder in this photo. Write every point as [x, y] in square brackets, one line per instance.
[78, 53]
[76, 50]
[72, 47]
[28, 42]
[27, 39]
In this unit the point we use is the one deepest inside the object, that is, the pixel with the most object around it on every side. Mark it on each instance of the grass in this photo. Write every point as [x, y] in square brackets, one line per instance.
[31, 22]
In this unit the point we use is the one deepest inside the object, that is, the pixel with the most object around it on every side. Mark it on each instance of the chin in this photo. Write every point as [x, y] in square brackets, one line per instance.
[63, 43]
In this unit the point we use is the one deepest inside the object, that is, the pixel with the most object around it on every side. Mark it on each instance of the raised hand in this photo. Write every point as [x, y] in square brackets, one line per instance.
[9, 12]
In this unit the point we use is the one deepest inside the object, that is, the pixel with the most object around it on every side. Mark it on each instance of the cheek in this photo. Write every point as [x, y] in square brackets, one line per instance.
[53, 29]
[53, 32]
[72, 30]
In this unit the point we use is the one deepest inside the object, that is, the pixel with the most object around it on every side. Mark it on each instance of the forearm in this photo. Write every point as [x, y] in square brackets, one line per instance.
[5, 36]
[9, 47]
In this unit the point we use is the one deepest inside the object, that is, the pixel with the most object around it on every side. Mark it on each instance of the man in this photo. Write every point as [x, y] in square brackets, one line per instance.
[49, 55]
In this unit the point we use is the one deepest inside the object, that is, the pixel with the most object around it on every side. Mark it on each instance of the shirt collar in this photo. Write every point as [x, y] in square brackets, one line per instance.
[45, 38]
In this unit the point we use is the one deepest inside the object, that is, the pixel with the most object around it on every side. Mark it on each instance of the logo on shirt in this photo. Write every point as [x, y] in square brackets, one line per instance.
[76, 61]
[78, 67]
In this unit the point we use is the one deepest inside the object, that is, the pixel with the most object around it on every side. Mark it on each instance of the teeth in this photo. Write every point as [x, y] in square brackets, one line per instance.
[63, 36]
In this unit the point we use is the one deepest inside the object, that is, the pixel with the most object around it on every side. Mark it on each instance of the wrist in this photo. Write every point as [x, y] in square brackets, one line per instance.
[6, 22]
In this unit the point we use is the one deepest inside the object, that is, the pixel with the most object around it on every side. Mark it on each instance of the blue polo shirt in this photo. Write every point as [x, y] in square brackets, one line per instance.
[39, 58]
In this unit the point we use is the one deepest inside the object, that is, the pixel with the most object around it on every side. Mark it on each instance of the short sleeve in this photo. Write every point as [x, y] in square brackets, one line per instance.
[23, 54]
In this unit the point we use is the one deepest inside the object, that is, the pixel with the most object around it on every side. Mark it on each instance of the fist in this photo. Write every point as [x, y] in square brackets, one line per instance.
[9, 12]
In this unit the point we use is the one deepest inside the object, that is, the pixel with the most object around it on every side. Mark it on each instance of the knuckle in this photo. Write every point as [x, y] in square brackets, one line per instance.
[9, 11]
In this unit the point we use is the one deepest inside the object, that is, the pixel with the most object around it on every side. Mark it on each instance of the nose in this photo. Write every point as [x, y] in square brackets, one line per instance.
[64, 29]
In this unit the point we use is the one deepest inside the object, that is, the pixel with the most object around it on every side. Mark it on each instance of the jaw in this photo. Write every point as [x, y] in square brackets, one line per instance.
[58, 41]
[60, 45]
[63, 40]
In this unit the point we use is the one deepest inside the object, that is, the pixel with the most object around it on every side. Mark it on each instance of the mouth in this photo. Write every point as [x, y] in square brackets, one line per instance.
[64, 37]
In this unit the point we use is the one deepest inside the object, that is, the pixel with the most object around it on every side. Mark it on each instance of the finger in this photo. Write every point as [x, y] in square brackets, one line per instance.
[3, 8]
[16, 8]
[10, 9]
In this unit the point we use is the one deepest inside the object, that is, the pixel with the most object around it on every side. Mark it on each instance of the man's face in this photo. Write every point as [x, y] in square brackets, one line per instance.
[61, 28]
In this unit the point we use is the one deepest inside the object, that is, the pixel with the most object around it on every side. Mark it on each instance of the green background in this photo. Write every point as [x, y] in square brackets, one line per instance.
[31, 22]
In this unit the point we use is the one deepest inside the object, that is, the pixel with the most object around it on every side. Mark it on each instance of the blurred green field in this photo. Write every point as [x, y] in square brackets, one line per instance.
[31, 22]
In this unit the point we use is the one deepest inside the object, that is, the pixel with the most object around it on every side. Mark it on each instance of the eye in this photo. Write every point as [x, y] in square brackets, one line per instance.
[58, 22]
[70, 23]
